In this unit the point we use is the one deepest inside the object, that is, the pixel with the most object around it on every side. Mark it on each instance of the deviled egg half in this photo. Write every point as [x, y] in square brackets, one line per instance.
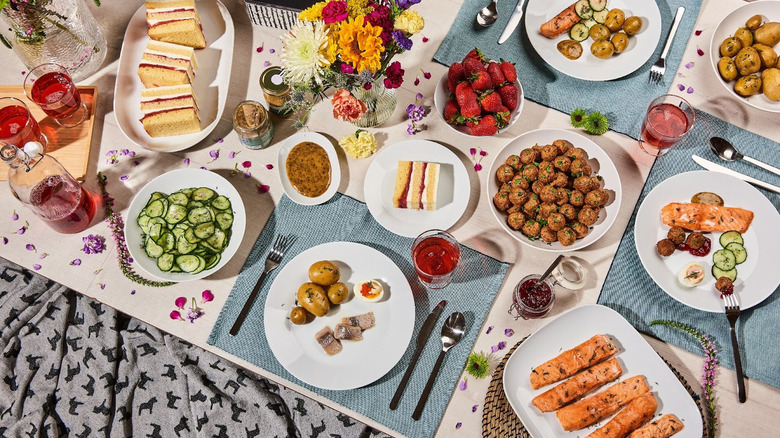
[370, 291]
[691, 274]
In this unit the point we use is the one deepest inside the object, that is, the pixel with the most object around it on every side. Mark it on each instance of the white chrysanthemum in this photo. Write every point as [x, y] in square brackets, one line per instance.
[303, 52]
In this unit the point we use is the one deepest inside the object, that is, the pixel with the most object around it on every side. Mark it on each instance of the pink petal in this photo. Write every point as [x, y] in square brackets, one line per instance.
[247, 164]
[259, 49]
[477, 167]
[262, 188]
[207, 296]
[699, 51]
[176, 315]
[269, 166]
[698, 32]
[482, 153]
[180, 302]
[425, 39]
[473, 151]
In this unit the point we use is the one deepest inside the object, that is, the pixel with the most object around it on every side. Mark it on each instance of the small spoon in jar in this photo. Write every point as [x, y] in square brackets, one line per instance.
[726, 151]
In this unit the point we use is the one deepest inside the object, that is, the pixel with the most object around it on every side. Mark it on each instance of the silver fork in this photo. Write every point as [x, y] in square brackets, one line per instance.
[271, 262]
[659, 68]
[732, 313]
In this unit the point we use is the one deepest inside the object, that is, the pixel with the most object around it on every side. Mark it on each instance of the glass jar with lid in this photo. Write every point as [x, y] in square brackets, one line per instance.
[275, 90]
[252, 124]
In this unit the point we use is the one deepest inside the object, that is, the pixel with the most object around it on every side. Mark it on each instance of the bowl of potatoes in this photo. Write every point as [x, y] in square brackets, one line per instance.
[744, 54]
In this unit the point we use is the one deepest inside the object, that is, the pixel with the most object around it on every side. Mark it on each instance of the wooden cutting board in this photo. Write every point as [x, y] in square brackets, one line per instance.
[70, 146]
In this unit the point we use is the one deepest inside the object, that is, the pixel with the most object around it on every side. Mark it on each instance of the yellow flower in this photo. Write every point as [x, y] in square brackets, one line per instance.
[357, 7]
[361, 144]
[360, 44]
[410, 22]
[332, 49]
[312, 13]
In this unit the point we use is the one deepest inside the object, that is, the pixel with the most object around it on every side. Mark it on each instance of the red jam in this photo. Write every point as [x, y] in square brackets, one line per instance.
[535, 302]
[701, 252]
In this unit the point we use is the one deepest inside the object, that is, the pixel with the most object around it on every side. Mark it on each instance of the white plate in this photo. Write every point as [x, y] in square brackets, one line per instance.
[640, 46]
[440, 100]
[210, 85]
[453, 196]
[171, 182]
[599, 161]
[769, 11]
[635, 355]
[360, 362]
[335, 168]
[756, 278]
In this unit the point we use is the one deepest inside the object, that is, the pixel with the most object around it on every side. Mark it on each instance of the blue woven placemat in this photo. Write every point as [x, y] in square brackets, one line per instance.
[630, 290]
[547, 86]
[345, 219]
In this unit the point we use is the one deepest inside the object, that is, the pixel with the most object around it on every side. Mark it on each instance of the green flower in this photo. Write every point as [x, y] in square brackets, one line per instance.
[596, 124]
[478, 364]
[578, 117]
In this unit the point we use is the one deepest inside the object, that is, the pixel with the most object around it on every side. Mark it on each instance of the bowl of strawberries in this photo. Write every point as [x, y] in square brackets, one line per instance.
[479, 97]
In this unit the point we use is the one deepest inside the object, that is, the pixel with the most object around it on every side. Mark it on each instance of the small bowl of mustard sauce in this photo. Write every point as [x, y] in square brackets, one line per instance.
[309, 168]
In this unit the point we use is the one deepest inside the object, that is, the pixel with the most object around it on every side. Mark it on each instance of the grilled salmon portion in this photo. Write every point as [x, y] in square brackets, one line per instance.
[560, 24]
[637, 413]
[570, 362]
[663, 427]
[601, 405]
[579, 385]
[704, 217]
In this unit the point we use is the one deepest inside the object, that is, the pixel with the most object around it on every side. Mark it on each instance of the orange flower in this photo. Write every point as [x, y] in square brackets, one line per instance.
[347, 107]
[361, 44]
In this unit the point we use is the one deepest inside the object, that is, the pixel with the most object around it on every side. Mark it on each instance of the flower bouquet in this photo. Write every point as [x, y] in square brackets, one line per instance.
[349, 45]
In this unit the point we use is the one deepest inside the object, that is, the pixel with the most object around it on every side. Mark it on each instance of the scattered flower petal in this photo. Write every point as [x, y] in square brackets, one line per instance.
[36, 266]
[458, 425]
[689, 90]
[207, 296]
[132, 292]
[266, 63]
[272, 51]
[474, 408]
[247, 174]
[123, 178]
[416, 81]
[23, 230]
[180, 302]
[681, 87]
[262, 188]
[14, 216]
[477, 167]
[214, 154]
[30, 247]
[75, 262]
[509, 332]
[187, 161]
[93, 244]
[97, 271]
[427, 74]
[175, 314]
[698, 32]
[43, 255]
[260, 48]
[102, 286]
[269, 166]
[194, 312]
[699, 51]
[489, 329]
[501, 345]
[689, 65]
[136, 162]
[473, 151]
[202, 168]
[482, 153]
[246, 164]
[220, 140]
[5, 240]
[493, 348]
[425, 39]
[418, 96]
[232, 154]
[462, 385]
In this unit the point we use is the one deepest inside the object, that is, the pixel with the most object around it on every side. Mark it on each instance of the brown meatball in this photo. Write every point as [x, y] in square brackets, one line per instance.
[676, 235]
[576, 153]
[547, 194]
[566, 236]
[516, 220]
[531, 228]
[577, 167]
[568, 211]
[577, 198]
[501, 201]
[695, 240]
[549, 152]
[530, 206]
[665, 247]
[562, 163]
[562, 145]
[562, 196]
[528, 156]
[556, 221]
[581, 230]
[588, 215]
[561, 180]
[595, 183]
[505, 173]
[530, 172]
[518, 196]
[537, 186]
[583, 184]
[723, 284]
[546, 209]
[538, 150]
[520, 181]
[546, 172]
[517, 208]
[596, 198]
[548, 235]
[505, 188]
[514, 162]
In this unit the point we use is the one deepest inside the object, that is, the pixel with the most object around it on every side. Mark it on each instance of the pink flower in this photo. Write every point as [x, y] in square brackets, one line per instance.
[346, 68]
[180, 302]
[394, 75]
[334, 11]
[699, 51]
[346, 106]
[207, 296]
[416, 81]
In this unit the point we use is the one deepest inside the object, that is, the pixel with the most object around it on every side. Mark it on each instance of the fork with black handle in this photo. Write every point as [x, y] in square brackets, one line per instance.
[732, 313]
[271, 262]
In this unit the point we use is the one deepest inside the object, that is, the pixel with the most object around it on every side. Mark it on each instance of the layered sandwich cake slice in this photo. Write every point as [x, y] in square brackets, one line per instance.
[167, 64]
[416, 185]
[171, 110]
[175, 21]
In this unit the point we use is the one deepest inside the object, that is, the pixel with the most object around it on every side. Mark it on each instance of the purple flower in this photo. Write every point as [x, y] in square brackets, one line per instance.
[411, 129]
[401, 39]
[124, 152]
[681, 87]
[689, 90]
[180, 302]
[14, 216]
[207, 296]
[474, 408]
[509, 332]
[232, 155]
[493, 348]
[489, 329]
[30, 247]
[415, 112]
[458, 425]
[477, 167]
[501, 345]
[406, 4]
[36, 266]
[462, 385]
[102, 286]
[93, 244]
[75, 262]
[193, 314]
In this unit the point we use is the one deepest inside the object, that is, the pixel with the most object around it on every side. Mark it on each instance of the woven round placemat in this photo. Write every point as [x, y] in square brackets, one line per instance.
[500, 421]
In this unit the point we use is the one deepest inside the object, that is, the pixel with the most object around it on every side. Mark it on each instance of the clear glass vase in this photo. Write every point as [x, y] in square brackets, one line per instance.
[380, 101]
[59, 31]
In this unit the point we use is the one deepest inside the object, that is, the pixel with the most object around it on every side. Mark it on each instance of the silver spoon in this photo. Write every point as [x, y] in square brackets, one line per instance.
[728, 152]
[451, 332]
[488, 15]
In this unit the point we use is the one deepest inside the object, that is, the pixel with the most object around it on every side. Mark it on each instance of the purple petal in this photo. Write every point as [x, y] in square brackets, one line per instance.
[207, 296]
[272, 51]
[136, 162]
[501, 345]
[689, 65]
[43, 255]
[5, 240]
[36, 266]
[489, 329]
[202, 168]
[22, 230]
[187, 161]
[102, 286]
[462, 385]
[232, 155]
[458, 425]
[509, 332]
[266, 63]
[180, 302]
[681, 87]
[493, 348]
[689, 90]
[132, 292]
[269, 166]
[75, 262]
[220, 140]
[425, 39]
[214, 153]
[30, 247]
[474, 408]
[14, 216]
[123, 178]
[247, 174]
[419, 96]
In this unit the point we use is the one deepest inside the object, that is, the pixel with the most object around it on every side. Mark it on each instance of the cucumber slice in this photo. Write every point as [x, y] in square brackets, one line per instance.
[583, 9]
[157, 208]
[152, 249]
[600, 16]
[205, 230]
[203, 194]
[143, 222]
[218, 239]
[589, 22]
[731, 236]
[165, 262]
[155, 231]
[224, 220]
[166, 241]
[220, 203]
[724, 259]
[739, 251]
[176, 213]
[189, 263]
[200, 215]
[155, 196]
[212, 260]
[189, 234]
[201, 265]
[731, 273]
[184, 246]
[579, 32]
[178, 198]
[597, 5]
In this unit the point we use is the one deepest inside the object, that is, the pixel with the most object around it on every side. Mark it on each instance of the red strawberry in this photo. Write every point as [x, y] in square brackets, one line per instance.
[509, 70]
[508, 96]
[452, 112]
[495, 73]
[476, 54]
[471, 110]
[490, 101]
[472, 65]
[480, 81]
[471, 123]
[455, 73]
[486, 126]
[465, 94]
[502, 117]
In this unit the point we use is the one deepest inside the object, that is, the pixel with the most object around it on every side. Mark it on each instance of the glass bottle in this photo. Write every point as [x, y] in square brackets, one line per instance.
[41, 183]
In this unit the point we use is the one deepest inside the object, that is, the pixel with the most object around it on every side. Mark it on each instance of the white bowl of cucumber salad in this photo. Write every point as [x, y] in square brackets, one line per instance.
[185, 225]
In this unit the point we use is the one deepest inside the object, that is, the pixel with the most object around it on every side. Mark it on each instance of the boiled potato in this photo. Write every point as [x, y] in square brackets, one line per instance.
[754, 22]
[602, 49]
[768, 34]
[767, 54]
[599, 32]
[770, 79]
[745, 36]
[324, 273]
[620, 42]
[727, 69]
[615, 19]
[570, 49]
[337, 293]
[730, 47]
[632, 25]
[313, 298]
[748, 85]
[747, 61]
[298, 315]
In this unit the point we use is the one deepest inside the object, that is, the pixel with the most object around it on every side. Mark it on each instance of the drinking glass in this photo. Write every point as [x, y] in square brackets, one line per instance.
[50, 86]
[435, 254]
[17, 124]
[667, 120]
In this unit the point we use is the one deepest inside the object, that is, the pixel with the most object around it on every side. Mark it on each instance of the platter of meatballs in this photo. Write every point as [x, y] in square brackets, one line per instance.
[554, 190]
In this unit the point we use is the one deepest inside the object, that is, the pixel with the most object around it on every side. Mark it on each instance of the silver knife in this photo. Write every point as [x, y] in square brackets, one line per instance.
[514, 20]
[709, 165]
[422, 339]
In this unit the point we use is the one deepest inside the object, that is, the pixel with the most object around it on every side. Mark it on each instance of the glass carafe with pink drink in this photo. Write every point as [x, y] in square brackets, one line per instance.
[44, 186]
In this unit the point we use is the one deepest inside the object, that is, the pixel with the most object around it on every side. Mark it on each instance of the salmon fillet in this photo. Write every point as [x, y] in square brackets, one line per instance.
[579, 385]
[568, 363]
[704, 217]
[601, 405]
[637, 413]
[663, 427]
[560, 24]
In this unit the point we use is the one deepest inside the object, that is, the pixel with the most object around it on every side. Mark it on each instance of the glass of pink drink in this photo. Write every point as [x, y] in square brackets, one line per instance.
[50, 86]
[17, 124]
[435, 254]
[668, 119]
